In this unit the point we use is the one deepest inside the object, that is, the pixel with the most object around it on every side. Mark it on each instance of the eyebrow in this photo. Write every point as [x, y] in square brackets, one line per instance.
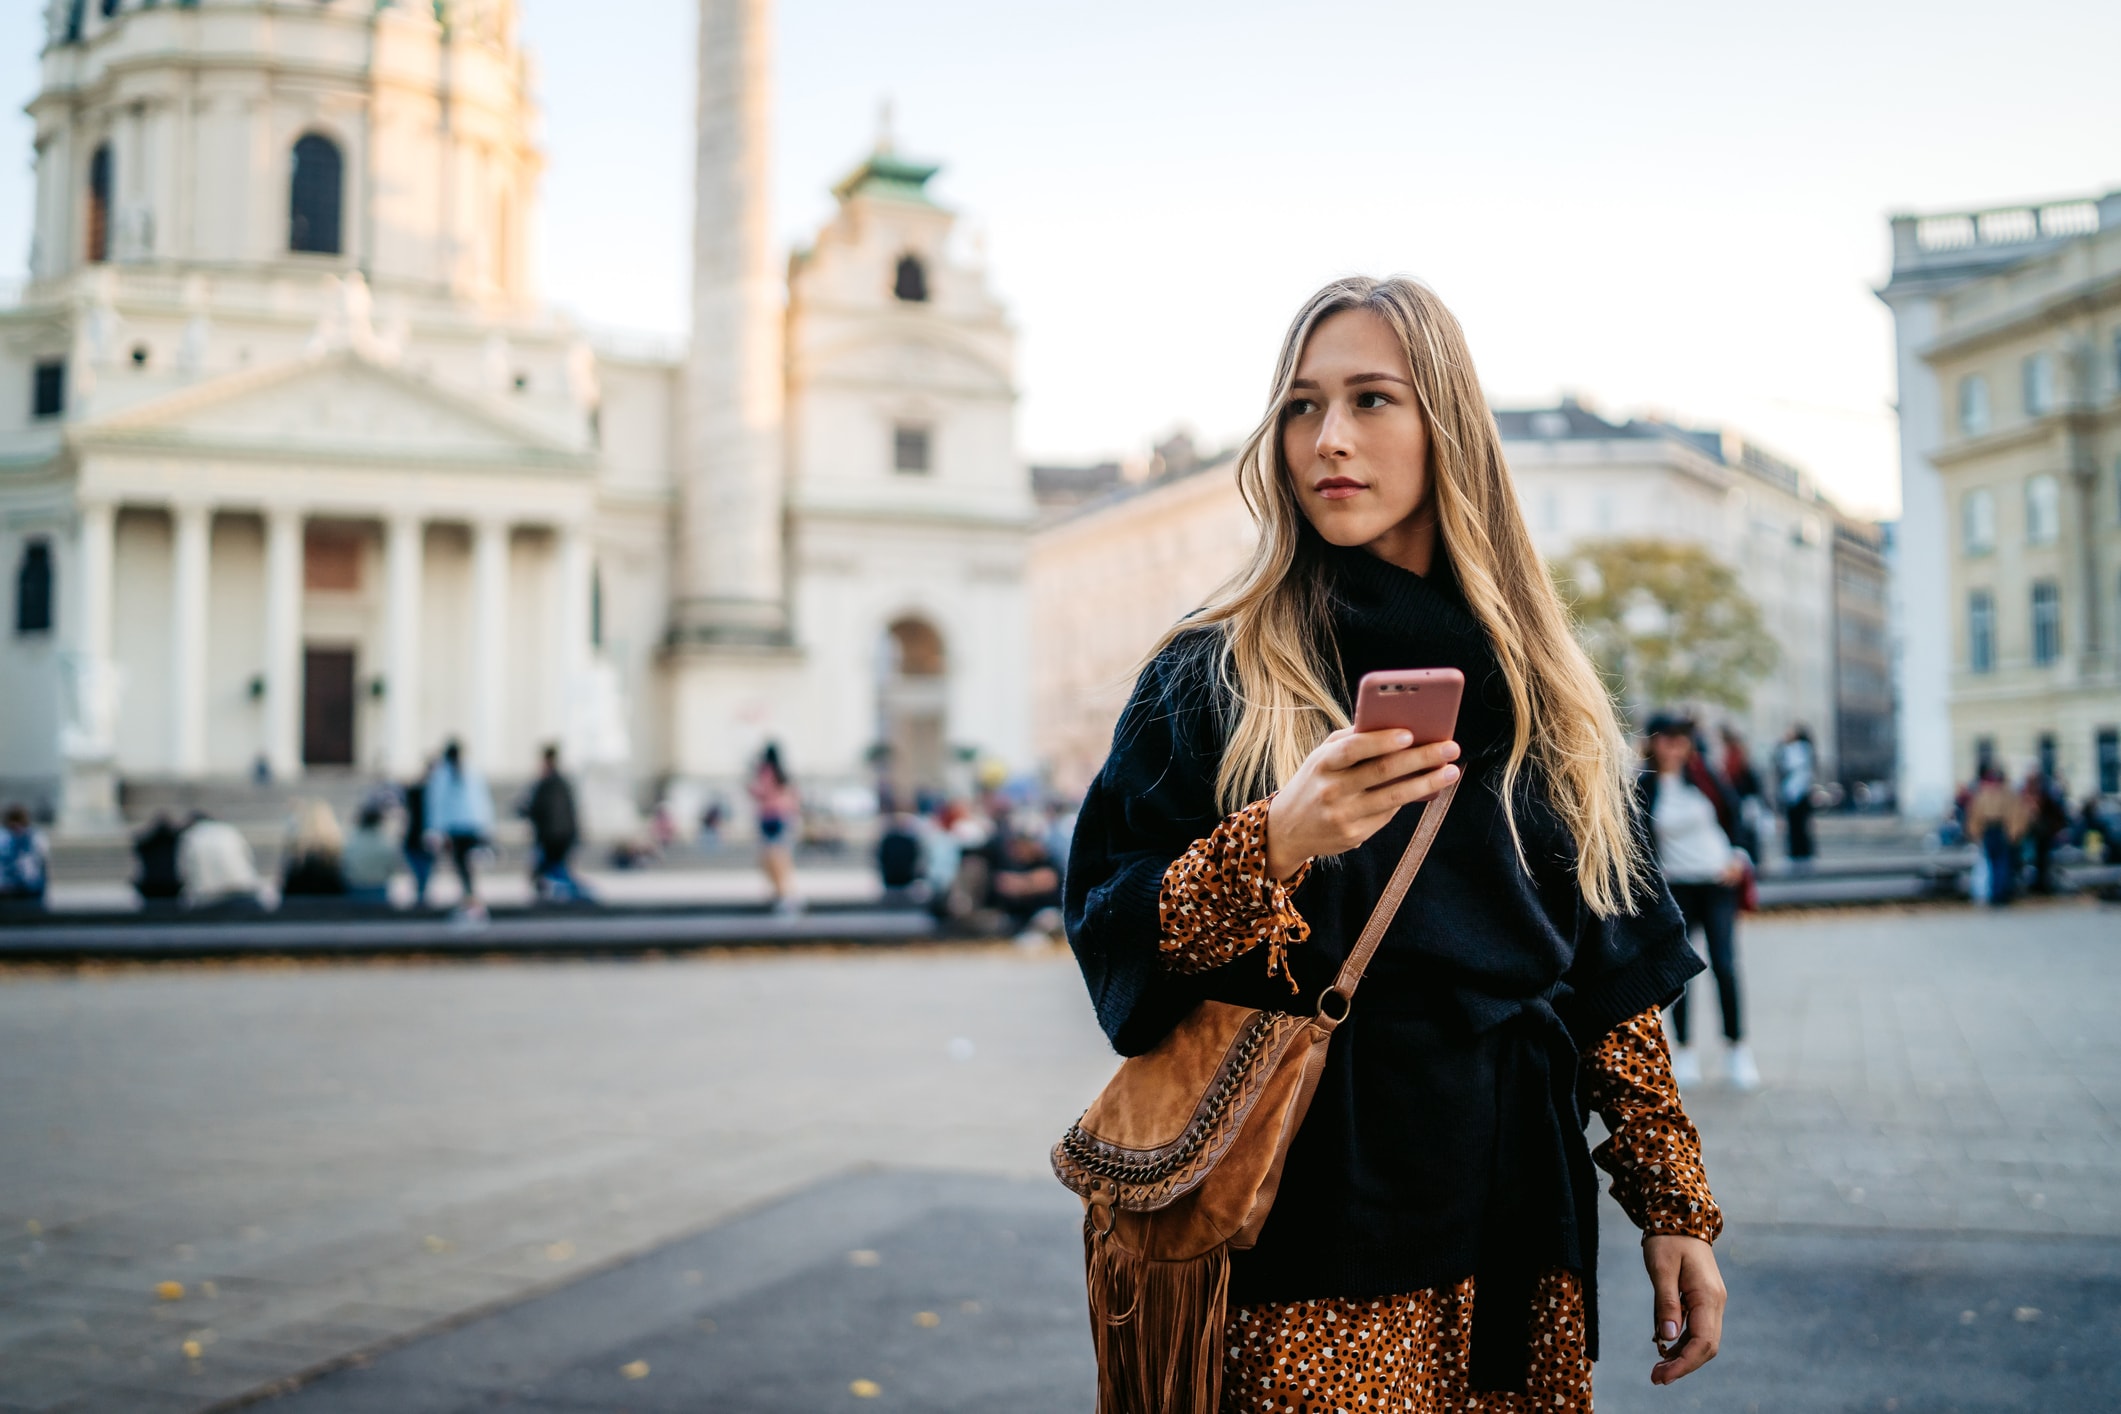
[1312, 383]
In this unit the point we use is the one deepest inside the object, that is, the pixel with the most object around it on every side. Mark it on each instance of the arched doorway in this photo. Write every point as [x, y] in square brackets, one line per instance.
[912, 708]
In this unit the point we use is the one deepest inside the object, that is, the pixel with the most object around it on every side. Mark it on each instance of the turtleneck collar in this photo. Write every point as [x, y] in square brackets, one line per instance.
[1386, 617]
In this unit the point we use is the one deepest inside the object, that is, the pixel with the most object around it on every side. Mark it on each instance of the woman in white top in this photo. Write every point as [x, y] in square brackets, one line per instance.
[1696, 827]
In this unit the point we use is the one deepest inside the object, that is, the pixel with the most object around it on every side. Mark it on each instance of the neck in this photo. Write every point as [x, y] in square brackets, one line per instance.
[1411, 544]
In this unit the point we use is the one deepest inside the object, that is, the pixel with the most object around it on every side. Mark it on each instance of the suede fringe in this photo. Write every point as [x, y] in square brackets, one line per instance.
[1158, 1328]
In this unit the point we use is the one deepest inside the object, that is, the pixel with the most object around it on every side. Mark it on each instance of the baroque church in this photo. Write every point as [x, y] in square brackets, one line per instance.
[296, 470]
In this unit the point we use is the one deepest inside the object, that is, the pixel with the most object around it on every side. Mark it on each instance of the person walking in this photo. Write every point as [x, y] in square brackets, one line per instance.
[459, 818]
[778, 808]
[1745, 787]
[1433, 1240]
[1995, 821]
[25, 863]
[311, 867]
[553, 832]
[1795, 766]
[1695, 823]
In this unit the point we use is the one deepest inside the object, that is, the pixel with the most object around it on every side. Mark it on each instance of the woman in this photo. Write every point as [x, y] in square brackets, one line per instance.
[777, 806]
[1995, 820]
[315, 845]
[1240, 832]
[459, 810]
[1697, 829]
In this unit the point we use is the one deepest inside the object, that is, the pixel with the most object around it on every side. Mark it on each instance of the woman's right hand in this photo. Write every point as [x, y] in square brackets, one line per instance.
[1347, 789]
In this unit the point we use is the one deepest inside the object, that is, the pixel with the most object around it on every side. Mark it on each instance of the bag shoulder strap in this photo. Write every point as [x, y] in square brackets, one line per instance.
[1373, 932]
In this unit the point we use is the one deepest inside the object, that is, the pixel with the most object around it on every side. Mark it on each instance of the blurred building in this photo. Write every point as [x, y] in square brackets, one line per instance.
[1109, 576]
[1581, 477]
[2008, 595]
[296, 469]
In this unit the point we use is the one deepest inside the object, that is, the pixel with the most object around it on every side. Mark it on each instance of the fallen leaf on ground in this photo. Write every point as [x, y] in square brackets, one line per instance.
[170, 1290]
[208, 1290]
[927, 1319]
[192, 1349]
[634, 1369]
[863, 1258]
[865, 1389]
[559, 1251]
[435, 1244]
[2026, 1313]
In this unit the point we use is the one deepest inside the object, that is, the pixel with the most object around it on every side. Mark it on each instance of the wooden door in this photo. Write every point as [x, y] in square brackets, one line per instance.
[328, 706]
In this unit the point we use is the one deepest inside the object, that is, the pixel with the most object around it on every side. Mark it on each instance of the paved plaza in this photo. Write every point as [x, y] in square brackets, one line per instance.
[807, 1180]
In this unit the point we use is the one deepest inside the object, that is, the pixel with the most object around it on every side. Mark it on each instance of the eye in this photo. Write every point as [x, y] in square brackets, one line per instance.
[1372, 400]
[1300, 407]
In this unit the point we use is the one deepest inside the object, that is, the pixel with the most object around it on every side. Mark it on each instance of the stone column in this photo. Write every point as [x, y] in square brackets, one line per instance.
[88, 785]
[573, 569]
[489, 643]
[192, 543]
[730, 586]
[283, 641]
[404, 558]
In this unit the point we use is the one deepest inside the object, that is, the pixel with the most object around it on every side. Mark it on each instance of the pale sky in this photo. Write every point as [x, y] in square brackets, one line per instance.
[1675, 207]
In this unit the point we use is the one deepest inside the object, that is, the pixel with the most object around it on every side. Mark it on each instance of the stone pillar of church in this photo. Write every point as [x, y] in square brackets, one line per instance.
[731, 588]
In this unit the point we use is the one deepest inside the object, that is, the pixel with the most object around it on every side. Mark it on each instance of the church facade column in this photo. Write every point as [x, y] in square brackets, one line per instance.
[283, 641]
[489, 641]
[730, 587]
[192, 543]
[95, 551]
[404, 561]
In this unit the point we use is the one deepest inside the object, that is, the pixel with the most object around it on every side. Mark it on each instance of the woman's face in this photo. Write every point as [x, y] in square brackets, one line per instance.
[1671, 751]
[1356, 444]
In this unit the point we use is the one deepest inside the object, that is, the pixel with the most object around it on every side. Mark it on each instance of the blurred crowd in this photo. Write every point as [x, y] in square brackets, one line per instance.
[2020, 830]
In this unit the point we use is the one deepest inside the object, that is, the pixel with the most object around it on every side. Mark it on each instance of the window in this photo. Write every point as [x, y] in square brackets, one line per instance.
[1980, 632]
[2043, 510]
[596, 606]
[1977, 522]
[911, 285]
[2107, 751]
[75, 17]
[313, 197]
[1984, 754]
[909, 448]
[1973, 405]
[99, 205]
[33, 589]
[2047, 622]
[110, 8]
[2038, 374]
[2045, 748]
[48, 388]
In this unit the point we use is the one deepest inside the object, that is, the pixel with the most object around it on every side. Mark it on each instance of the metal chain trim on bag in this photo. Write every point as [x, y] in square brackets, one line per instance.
[1101, 1161]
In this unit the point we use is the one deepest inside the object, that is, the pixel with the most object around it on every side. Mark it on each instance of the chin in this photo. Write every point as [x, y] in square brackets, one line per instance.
[1347, 529]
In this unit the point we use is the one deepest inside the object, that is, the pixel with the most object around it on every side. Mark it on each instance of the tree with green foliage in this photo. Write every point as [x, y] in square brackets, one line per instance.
[1666, 622]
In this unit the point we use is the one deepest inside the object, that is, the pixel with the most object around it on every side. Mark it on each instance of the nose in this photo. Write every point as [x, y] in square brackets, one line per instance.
[1336, 434]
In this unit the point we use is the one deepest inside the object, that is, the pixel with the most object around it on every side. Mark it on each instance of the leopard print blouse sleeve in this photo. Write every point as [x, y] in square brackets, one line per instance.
[1654, 1154]
[1217, 903]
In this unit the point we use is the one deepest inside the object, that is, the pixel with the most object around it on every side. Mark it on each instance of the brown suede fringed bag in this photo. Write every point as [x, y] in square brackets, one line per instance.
[1177, 1160]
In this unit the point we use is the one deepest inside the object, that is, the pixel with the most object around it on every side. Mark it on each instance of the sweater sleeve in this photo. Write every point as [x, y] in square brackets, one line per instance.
[1149, 804]
[1218, 901]
[1654, 1152]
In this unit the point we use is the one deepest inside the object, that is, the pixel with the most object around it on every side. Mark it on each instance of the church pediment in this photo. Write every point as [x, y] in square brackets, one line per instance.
[342, 406]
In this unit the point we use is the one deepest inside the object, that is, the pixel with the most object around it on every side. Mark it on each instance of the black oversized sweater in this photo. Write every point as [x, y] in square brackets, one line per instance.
[1446, 1138]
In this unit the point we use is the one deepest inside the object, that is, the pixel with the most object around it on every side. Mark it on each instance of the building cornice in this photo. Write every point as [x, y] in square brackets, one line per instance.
[2082, 298]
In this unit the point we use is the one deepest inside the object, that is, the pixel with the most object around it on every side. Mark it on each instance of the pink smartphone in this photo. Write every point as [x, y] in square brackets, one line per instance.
[1423, 701]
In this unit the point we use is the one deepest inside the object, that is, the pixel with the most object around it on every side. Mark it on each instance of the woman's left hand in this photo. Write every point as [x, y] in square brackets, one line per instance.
[1689, 1304]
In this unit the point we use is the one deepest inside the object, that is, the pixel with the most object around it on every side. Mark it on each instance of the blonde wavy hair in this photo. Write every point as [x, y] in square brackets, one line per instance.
[1274, 614]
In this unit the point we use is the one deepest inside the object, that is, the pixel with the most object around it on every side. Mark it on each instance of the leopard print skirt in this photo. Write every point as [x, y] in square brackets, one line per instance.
[1399, 1355]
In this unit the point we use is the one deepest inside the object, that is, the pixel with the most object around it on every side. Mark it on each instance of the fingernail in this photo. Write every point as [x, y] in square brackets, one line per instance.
[1406, 739]
[1668, 1330]
[1450, 773]
[1450, 751]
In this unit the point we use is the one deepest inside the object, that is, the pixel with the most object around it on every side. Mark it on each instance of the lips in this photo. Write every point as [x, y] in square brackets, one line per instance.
[1338, 488]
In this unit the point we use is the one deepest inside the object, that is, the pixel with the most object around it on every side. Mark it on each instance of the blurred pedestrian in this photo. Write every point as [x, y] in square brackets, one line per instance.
[2046, 817]
[899, 859]
[25, 863]
[460, 819]
[1743, 779]
[553, 832]
[1023, 880]
[1694, 821]
[371, 858]
[779, 810]
[1796, 771]
[217, 867]
[418, 847]
[311, 867]
[155, 851]
[1995, 821]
